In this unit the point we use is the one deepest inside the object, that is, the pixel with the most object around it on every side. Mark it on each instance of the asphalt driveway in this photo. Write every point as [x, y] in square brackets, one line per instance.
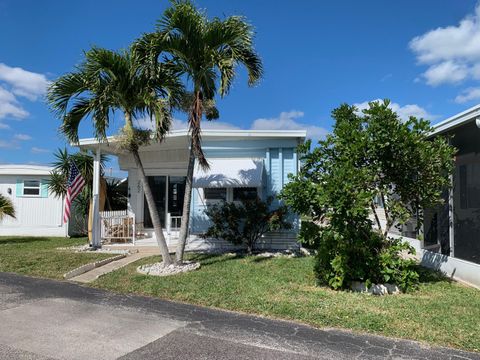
[46, 319]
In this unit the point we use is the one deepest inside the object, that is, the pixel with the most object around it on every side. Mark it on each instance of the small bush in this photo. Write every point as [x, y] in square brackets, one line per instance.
[245, 223]
[368, 259]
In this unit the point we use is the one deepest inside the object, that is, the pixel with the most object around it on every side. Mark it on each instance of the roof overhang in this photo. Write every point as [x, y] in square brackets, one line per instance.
[25, 170]
[457, 120]
[179, 139]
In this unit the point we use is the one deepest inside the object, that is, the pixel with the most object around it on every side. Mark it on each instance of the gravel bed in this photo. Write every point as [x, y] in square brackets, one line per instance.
[88, 248]
[158, 269]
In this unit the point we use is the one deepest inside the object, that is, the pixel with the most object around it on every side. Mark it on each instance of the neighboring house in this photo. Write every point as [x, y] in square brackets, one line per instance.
[37, 211]
[451, 232]
[243, 164]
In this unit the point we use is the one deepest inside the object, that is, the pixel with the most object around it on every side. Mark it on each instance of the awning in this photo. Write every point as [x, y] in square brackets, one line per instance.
[244, 172]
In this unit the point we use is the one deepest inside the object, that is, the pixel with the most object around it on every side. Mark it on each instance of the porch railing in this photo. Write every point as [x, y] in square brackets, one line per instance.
[117, 226]
[173, 226]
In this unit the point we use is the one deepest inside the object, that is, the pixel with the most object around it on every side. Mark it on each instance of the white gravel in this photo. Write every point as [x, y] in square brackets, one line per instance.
[88, 248]
[158, 269]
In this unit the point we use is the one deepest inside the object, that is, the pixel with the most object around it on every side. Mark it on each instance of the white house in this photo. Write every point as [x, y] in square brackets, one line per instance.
[243, 163]
[38, 212]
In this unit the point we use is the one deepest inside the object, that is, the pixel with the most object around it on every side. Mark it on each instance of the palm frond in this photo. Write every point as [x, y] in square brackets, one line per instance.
[6, 207]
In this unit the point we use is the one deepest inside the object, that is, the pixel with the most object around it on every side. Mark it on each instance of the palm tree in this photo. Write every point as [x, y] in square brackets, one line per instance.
[6, 207]
[108, 81]
[204, 51]
[57, 183]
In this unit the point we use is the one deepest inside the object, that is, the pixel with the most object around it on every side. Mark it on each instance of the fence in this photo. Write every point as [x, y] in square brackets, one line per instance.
[117, 226]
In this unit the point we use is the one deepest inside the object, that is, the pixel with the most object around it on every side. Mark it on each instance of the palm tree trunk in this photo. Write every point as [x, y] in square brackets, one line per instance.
[157, 226]
[195, 149]
[182, 241]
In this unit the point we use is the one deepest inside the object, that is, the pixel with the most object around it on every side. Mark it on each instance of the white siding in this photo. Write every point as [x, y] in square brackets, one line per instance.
[40, 216]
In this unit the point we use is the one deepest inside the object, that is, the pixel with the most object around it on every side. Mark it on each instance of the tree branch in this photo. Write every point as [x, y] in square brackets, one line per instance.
[372, 205]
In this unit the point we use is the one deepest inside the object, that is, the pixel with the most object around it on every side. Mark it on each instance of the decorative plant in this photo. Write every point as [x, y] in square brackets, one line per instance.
[107, 82]
[207, 52]
[246, 222]
[6, 207]
[368, 156]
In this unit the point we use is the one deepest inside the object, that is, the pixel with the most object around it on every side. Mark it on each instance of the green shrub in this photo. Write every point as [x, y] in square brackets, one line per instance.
[245, 222]
[369, 156]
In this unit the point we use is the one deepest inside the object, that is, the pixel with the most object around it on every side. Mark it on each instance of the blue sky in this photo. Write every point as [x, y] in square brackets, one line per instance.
[420, 54]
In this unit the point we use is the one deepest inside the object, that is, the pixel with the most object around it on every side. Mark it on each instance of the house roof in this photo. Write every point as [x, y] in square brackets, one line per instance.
[24, 169]
[180, 137]
[457, 120]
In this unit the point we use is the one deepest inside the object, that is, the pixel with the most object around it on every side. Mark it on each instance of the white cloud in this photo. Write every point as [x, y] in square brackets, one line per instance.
[468, 95]
[4, 126]
[8, 145]
[446, 72]
[288, 121]
[22, 137]
[404, 112]
[16, 82]
[9, 106]
[24, 83]
[285, 121]
[450, 52]
[37, 150]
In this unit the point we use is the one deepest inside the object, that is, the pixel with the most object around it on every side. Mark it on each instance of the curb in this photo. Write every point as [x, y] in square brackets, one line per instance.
[87, 267]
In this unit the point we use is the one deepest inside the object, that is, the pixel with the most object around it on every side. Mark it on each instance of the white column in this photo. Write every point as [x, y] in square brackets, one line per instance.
[96, 231]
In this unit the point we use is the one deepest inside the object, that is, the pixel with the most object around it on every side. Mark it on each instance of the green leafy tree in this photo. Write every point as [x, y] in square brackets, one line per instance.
[368, 156]
[207, 52]
[108, 81]
[6, 207]
[247, 222]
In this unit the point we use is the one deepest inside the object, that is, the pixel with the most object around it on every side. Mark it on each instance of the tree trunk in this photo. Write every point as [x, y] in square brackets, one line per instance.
[157, 226]
[182, 241]
[195, 149]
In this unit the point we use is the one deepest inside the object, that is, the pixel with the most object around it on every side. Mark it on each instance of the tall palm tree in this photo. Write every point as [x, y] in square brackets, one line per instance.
[207, 52]
[108, 81]
[57, 183]
[6, 207]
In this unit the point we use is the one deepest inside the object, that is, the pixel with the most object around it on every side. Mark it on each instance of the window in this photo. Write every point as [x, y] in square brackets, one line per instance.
[215, 194]
[31, 187]
[246, 193]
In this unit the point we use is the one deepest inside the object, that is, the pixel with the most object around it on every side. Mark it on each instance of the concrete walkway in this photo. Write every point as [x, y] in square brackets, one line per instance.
[94, 274]
[46, 319]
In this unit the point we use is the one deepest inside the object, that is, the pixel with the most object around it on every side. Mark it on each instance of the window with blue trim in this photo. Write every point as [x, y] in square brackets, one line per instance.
[31, 188]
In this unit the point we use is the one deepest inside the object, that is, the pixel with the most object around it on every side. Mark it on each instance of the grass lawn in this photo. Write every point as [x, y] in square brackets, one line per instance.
[37, 256]
[440, 312]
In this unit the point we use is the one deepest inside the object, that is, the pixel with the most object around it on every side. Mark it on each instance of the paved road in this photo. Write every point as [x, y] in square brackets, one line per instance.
[45, 319]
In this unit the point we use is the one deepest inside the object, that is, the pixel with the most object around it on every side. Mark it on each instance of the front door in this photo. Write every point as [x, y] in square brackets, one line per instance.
[158, 185]
[171, 200]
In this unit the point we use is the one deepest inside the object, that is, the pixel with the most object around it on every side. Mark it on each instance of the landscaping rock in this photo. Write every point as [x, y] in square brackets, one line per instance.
[392, 289]
[159, 269]
[88, 248]
[376, 289]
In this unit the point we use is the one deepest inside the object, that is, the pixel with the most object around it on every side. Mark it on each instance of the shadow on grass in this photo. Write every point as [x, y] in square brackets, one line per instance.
[431, 276]
[21, 240]
[214, 258]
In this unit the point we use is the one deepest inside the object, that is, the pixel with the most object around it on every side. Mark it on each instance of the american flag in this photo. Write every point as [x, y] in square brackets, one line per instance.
[75, 185]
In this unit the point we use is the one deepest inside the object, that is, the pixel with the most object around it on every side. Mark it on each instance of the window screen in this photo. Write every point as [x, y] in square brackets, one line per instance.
[31, 187]
[215, 194]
